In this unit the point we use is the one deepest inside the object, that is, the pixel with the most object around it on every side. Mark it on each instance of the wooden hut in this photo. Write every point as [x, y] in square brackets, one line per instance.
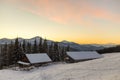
[82, 56]
[35, 59]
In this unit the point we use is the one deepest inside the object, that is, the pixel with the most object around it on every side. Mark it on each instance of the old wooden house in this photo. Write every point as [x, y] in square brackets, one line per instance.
[82, 56]
[35, 59]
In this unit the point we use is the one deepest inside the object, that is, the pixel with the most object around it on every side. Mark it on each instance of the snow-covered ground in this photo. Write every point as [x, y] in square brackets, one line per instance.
[107, 68]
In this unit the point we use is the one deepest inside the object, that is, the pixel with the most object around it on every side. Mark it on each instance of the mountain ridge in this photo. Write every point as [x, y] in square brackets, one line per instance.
[74, 46]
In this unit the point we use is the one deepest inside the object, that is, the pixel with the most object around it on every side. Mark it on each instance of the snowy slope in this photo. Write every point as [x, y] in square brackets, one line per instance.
[107, 68]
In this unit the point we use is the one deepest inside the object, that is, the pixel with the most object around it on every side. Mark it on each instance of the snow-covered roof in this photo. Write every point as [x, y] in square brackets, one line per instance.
[24, 63]
[83, 55]
[38, 58]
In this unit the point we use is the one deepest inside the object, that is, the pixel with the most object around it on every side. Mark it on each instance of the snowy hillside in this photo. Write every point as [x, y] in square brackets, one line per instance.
[107, 68]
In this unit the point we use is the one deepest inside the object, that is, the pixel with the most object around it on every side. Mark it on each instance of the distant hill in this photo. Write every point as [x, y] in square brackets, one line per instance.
[110, 50]
[73, 46]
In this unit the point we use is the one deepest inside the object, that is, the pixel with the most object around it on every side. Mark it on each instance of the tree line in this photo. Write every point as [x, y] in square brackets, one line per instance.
[110, 50]
[12, 53]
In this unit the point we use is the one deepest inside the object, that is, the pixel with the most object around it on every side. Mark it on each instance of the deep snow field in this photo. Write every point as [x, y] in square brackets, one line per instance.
[106, 68]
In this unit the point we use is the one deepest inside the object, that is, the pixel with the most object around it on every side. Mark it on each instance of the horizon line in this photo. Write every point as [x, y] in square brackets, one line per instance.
[62, 40]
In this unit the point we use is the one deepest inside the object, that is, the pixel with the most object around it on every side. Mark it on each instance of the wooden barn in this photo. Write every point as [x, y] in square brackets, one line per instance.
[35, 59]
[81, 56]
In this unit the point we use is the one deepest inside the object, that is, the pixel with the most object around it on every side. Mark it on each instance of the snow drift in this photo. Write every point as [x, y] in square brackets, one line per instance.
[107, 68]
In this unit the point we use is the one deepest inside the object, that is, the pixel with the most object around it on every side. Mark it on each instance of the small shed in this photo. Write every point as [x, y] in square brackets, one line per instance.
[82, 56]
[23, 64]
[35, 59]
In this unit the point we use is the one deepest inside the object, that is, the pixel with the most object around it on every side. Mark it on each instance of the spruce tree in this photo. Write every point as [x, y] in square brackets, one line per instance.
[17, 53]
[56, 52]
[68, 48]
[24, 46]
[40, 45]
[11, 52]
[29, 48]
[35, 50]
[1, 58]
[45, 47]
[63, 53]
[6, 55]
[51, 51]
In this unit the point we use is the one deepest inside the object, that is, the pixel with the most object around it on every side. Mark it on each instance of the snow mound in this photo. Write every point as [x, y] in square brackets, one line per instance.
[107, 68]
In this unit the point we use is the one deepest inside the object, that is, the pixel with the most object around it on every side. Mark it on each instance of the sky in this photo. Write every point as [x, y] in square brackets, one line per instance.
[80, 21]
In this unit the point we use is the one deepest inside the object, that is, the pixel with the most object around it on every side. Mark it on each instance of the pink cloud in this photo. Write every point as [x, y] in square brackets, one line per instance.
[64, 11]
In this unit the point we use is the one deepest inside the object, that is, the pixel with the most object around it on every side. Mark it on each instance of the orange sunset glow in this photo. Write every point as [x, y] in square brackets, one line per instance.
[80, 21]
